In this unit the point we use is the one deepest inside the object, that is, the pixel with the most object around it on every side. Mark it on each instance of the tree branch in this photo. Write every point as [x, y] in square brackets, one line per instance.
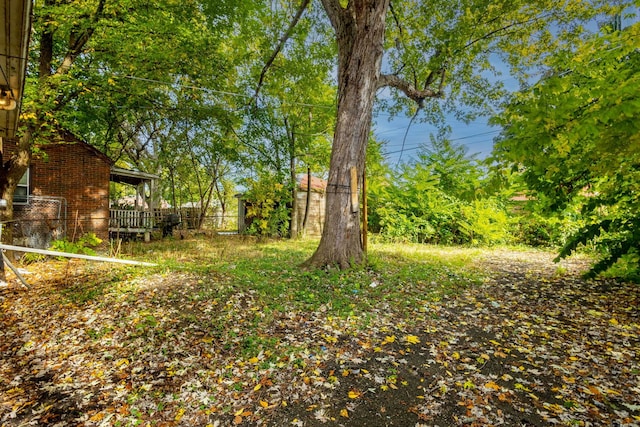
[77, 44]
[497, 31]
[400, 42]
[390, 80]
[281, 42]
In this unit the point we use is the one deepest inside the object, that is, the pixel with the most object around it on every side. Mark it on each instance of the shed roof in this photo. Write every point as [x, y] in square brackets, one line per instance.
[318, 185]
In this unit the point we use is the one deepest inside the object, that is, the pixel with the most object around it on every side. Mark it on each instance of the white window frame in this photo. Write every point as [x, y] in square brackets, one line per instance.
[23, 199]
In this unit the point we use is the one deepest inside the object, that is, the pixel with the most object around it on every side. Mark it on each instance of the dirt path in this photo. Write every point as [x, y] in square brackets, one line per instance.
[535, 345]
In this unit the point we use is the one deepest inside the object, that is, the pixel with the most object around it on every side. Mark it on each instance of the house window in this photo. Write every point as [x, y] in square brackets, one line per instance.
[20, 197]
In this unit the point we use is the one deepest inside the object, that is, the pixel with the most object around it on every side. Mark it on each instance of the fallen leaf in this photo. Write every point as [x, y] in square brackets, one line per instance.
[353, 394]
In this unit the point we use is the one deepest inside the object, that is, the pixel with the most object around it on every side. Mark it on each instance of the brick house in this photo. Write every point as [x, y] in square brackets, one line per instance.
[65, 193]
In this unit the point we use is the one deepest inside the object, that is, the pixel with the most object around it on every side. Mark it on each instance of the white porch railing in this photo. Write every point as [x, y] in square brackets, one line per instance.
[130, 220]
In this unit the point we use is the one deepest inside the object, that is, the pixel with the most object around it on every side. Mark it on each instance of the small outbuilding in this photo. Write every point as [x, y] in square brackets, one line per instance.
[311, 201]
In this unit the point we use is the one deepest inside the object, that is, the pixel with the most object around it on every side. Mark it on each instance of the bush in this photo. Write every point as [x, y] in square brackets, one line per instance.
[267, 209]
[84, 245]
[537, 230]
[486, 222]
[435, 217]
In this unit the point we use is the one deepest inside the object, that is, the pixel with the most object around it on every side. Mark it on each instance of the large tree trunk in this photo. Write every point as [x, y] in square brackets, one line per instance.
[360, 34]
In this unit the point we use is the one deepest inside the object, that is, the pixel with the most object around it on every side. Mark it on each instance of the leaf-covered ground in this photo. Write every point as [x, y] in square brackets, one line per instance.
[512, 339]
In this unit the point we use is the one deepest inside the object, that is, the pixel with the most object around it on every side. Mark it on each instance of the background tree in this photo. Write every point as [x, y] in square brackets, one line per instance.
[287, 127]
[576, 140]
[113, 71]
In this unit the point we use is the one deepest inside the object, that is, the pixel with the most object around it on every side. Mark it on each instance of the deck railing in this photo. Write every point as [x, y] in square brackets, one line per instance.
[127, 219]
[137, 221]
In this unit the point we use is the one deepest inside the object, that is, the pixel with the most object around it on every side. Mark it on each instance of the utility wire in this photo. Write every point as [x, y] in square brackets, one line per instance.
[214, 91]
[451, 140]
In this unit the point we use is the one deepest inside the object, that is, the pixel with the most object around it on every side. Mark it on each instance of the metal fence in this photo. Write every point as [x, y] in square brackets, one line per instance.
[39, 221]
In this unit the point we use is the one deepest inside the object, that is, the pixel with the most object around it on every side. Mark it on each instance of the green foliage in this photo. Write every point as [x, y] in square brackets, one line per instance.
[84, 245]
[266, 200]
[574, 137]
[439, 218]
[486, 222]
[435, 201]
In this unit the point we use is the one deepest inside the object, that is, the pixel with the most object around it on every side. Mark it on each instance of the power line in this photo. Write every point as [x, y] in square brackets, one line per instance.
[452, 140]
[214, 91]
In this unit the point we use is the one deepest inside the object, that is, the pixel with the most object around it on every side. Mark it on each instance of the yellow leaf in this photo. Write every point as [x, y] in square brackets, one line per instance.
[257, 387]
[354, 394]
[97, 417]
[253, 360]
[264, 404]
[238, 413]
[412, 339]
[344, 413]
[180, 414]
[389, 339]
[456, 355]
[614, 321]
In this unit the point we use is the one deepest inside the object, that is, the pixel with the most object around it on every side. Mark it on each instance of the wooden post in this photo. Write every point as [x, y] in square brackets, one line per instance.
[354, 190]
[365, 219]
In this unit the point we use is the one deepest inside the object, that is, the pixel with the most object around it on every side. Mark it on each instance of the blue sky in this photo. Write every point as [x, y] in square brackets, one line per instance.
[476, 136]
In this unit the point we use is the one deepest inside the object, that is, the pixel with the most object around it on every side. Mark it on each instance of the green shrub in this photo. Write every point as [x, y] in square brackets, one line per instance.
[267, 206]
[486, 222]
[533, 229]
[84, 245]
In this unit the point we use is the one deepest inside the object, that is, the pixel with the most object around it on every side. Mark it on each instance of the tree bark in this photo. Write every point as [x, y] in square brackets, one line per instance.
[360, 34]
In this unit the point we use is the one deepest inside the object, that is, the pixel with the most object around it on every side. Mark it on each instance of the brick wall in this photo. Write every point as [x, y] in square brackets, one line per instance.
[80, 175]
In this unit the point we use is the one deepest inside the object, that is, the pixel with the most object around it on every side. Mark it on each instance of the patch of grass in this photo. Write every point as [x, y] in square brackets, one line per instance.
[403, 276]
[232, 289]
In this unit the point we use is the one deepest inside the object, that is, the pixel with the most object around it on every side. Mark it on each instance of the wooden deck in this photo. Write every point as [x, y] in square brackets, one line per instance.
[130, 221]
